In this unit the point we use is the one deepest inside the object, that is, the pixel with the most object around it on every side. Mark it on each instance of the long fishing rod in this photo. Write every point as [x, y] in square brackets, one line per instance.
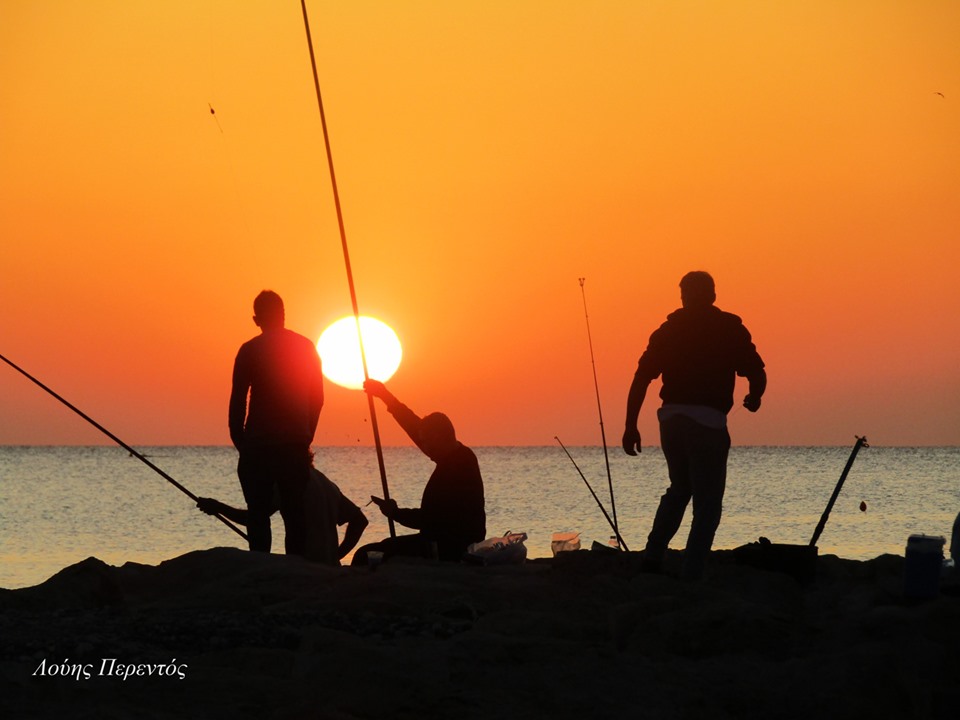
[861, 442]
[346, 260]
[599, 504]
[603, 436]
[119, 442]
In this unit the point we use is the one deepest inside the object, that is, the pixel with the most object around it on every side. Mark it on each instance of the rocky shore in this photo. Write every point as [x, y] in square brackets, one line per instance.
[225, 633]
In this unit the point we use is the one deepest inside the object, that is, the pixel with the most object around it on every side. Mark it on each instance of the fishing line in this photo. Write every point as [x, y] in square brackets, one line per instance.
[346, 260]
[232, 200]
[599, 504]
[214, 113]
[603, 437]
[119, 442]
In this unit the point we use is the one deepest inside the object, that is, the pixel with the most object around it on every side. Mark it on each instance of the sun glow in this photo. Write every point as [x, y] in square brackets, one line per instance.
[339, 348]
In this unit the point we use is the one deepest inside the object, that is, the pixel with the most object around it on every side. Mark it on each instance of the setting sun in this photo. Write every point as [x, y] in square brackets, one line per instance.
[339, 348]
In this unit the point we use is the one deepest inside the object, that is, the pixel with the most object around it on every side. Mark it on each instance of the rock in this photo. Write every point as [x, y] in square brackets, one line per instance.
[584, 635]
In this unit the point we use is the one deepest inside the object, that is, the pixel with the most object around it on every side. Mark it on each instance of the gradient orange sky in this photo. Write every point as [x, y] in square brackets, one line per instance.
[488, 155]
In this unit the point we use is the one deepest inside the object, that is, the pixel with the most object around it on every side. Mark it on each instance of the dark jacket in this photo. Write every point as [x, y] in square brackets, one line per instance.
[280, 370]
[451, 511]
[699, 351]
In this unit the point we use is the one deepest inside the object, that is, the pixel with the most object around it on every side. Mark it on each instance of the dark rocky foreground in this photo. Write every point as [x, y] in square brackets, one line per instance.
[225, 633]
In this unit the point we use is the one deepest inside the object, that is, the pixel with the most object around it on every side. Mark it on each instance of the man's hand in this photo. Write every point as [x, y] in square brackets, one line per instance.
[209, 505]
[387, 507]
[631, 441]
[375, 388]
[752, 402]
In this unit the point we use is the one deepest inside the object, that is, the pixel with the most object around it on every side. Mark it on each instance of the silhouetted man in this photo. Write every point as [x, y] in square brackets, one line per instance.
[280, 371]
[451, 515]
[698, 351]
[325, 508]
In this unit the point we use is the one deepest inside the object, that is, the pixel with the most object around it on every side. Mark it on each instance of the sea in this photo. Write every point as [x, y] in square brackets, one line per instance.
[61, 505]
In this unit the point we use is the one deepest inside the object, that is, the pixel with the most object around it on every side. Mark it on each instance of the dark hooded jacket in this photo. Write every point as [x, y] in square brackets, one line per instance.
[699, 351]
[451, 511]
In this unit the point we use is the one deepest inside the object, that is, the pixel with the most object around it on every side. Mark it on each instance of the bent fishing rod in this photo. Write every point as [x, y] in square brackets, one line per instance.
[119, 442]
[603, 436]
[613, 525]
[346, 260]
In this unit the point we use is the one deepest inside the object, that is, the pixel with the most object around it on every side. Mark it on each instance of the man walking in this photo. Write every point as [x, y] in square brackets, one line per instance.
[280, 371]
[698, 351]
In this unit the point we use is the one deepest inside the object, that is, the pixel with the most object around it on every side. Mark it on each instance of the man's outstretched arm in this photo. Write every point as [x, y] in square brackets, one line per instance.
[405, 417]
[215, 507]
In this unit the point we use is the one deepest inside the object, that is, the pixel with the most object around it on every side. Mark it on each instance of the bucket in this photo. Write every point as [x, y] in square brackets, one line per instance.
[921, 572]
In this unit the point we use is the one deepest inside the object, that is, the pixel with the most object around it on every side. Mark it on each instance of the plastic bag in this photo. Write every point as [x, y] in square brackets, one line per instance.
[506, 550]
[565, 542]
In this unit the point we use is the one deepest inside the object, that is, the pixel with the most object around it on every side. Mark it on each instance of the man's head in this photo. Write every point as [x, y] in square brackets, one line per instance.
[437, 436]
[697, 289]
[268, 310]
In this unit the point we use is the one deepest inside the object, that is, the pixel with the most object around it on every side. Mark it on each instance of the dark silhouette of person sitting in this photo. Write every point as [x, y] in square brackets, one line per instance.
[280, 372]
[451, 515]
[699, 351]
[325, 508]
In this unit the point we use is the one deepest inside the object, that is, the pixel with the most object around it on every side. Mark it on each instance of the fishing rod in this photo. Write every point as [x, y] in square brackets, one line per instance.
[346, 260]
[120, 442]
[603, 436]
[861, 442]
[599, 504]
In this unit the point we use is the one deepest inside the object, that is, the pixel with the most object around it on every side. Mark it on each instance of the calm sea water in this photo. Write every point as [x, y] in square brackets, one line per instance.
[60, 505]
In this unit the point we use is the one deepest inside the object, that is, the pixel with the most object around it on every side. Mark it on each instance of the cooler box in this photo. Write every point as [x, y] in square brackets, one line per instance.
[921, 571]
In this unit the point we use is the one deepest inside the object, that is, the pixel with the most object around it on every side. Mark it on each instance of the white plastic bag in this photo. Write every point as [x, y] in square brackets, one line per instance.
[506, 550]
[565, 542]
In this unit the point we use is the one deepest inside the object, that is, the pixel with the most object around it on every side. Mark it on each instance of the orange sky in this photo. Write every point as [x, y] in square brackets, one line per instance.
[488, 155]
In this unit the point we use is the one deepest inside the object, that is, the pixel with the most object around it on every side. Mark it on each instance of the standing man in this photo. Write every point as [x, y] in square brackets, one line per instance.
[280, 372]
[699, 351]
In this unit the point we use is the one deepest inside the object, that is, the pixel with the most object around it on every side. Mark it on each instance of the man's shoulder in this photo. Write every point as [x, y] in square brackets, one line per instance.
[249, 346]
[686, 319]
[295, 338]
[323, 487]
[465, 450]
[708, 315]
[279, 338]
[729, 317]
[686, 322]
[293, 333]
[466, 458]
